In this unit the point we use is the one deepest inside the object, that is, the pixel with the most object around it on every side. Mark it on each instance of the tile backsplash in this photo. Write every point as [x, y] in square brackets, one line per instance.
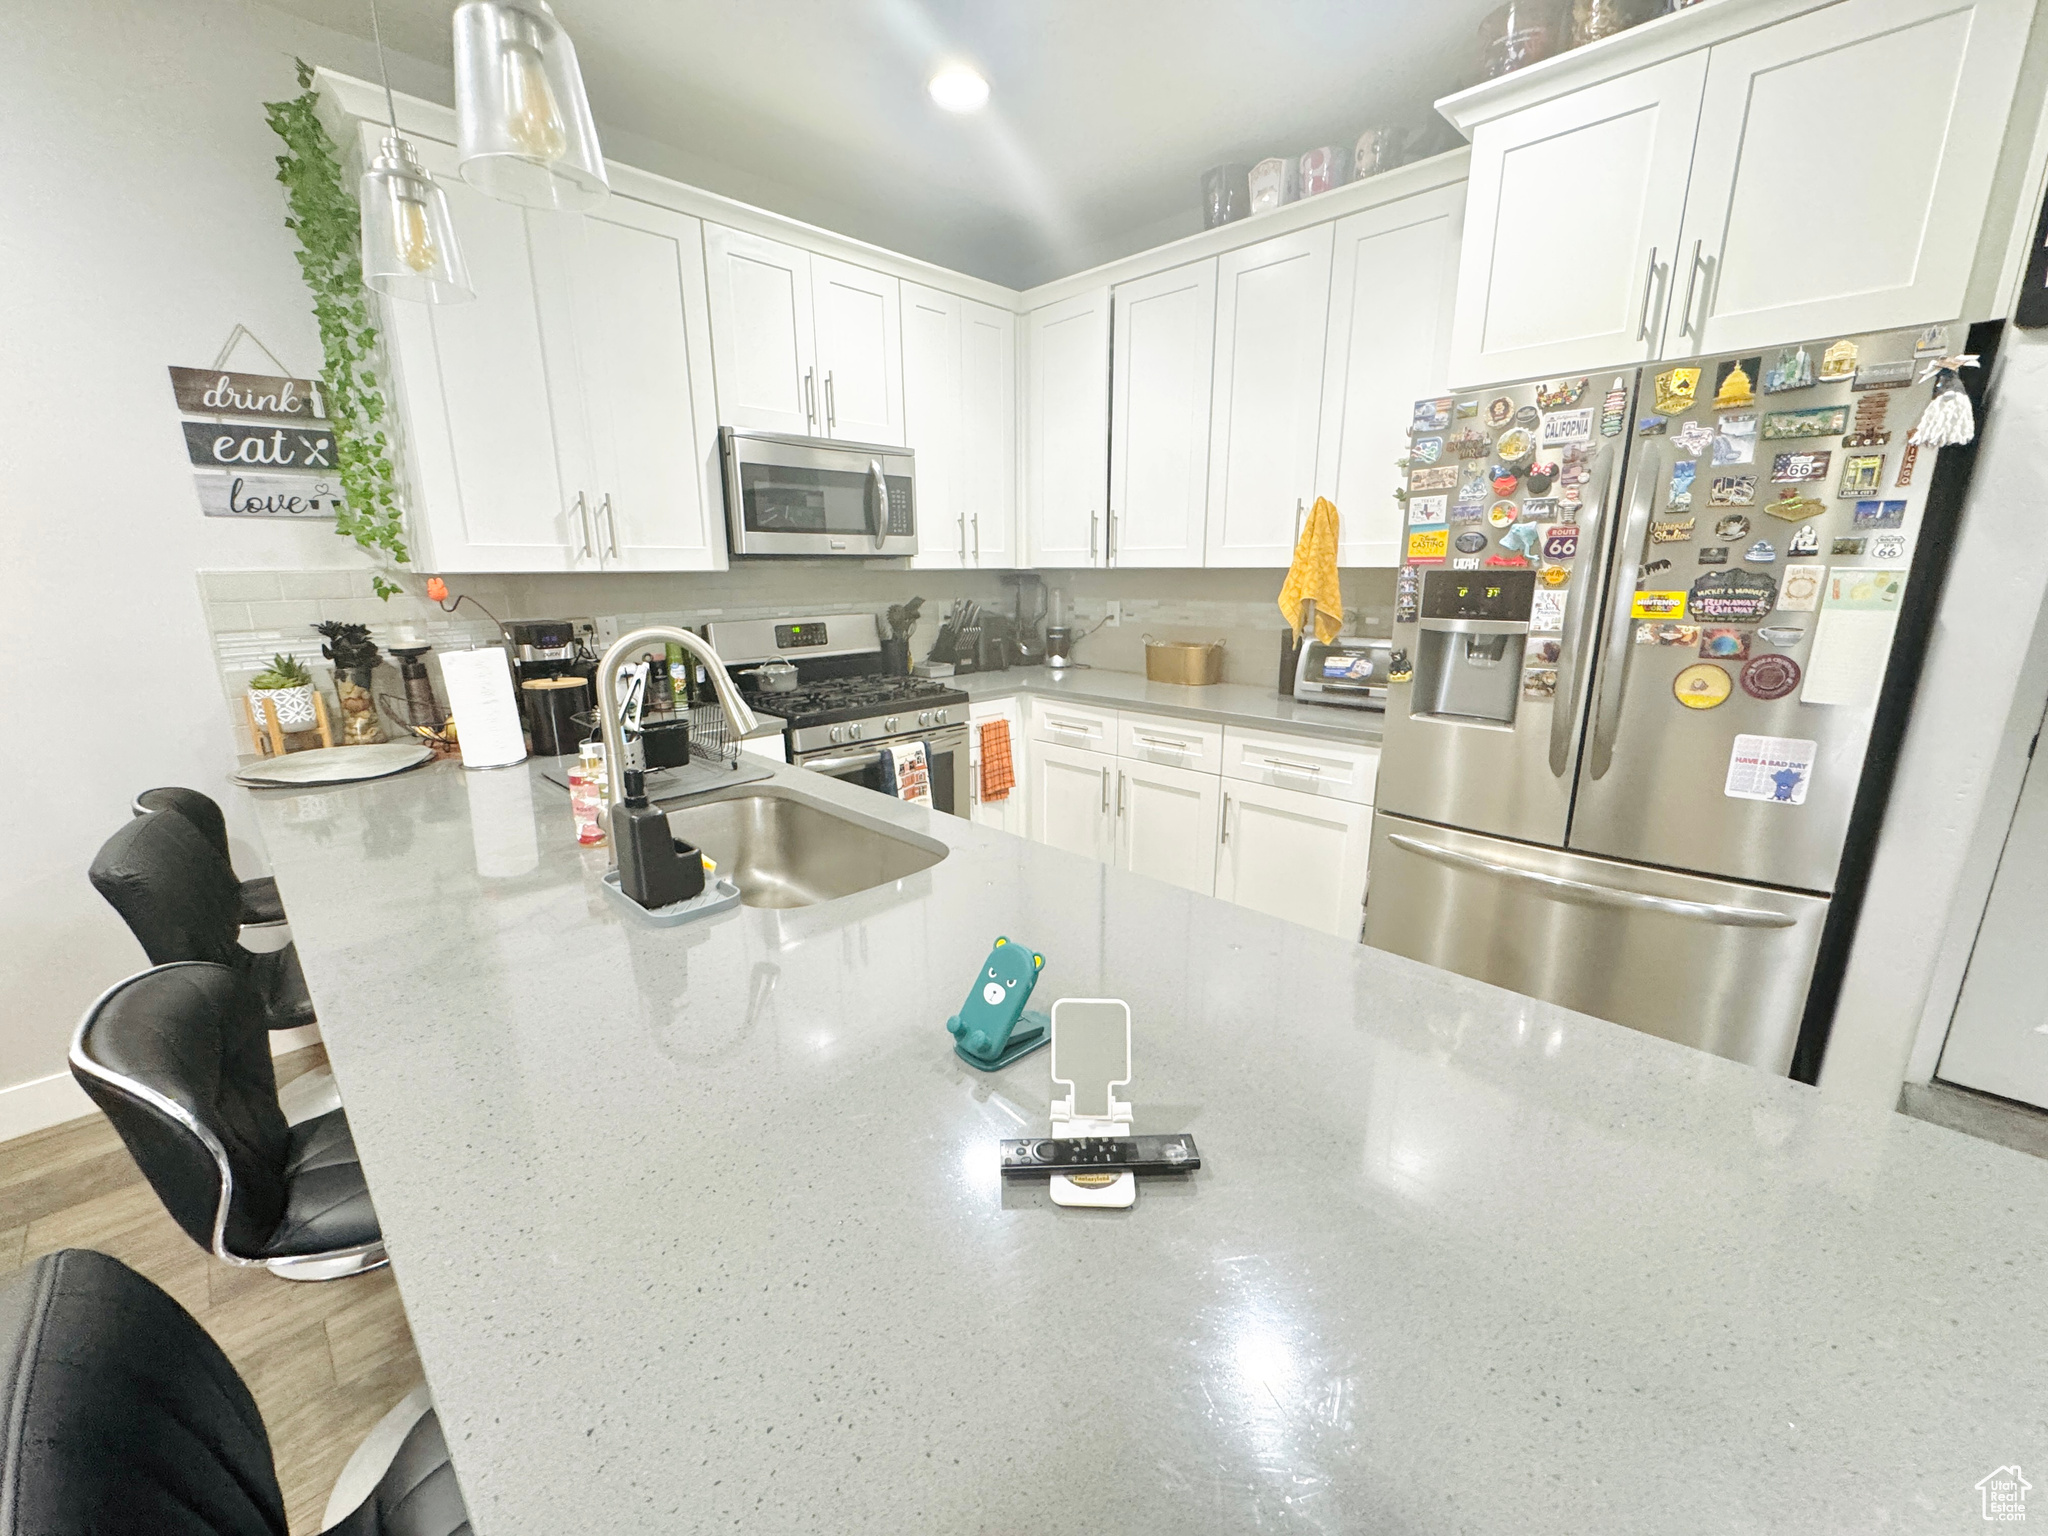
[252, 615]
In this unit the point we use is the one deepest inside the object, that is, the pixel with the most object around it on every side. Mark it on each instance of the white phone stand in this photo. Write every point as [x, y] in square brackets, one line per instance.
[1091, 1058]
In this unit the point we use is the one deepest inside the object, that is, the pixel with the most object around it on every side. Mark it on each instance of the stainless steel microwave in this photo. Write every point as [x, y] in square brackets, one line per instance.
[814, 496]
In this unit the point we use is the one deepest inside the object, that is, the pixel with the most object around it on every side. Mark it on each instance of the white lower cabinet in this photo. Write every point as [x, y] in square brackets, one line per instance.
[1294, 854]
[1070, 800]
[1166, 823]
[1009, 814]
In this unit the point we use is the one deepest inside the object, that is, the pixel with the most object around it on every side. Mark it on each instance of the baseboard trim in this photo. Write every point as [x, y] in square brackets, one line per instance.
[42, 1102]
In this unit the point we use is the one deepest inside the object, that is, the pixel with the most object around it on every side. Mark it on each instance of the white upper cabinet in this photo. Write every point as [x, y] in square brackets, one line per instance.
[562, 420]
[763, 343]
[1805, 219]
[932, 412]
[1272, 309]
[1066, 430]
[1165, 341]
[959, 404]
[496, 450]
[1572, 219]
[644, 344]
[859, 352]
[986, 480]
[1393, 283]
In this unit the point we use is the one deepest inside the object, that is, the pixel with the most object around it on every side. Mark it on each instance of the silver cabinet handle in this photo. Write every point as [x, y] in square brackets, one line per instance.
[810, 399]
[963, 536]
[977, 538]
[1094, 520]
[1171, 745]
[1281, 765]
[1649, 287]
[1066, 725]
[1119, 794]
[831, 410]
[1226, 816]
[609, 519]
[1628, 553]
[1105, 789]
[1109, 543]
[1578, 611]
[1297, 519]
[1692, 278]
[583, 523]
[1585, 893]
[831, 764]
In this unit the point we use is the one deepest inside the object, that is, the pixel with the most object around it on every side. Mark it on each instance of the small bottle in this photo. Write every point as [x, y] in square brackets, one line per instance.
[587, 784]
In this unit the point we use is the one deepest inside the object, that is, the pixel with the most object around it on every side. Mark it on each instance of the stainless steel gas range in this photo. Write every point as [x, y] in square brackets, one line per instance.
[843, 708]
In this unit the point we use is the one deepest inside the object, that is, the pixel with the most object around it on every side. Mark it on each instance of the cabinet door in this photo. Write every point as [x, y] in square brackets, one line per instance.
[932, 420]
[1539, 296]
[1011, 813]
[1802, 221]
[644, 342]
[1070, 799]
[1166, 822]
[761, 332]
[985, 474]
[1066, 430]
[1393, 282]
[496, 447]
[1272, 310]
[1295, 855]
[1165, 342]
[860, 352]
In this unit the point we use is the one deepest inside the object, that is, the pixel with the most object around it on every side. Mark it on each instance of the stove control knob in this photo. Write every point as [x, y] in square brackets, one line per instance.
[835, 733]
[924, 717]
[853, 731]
[889, 724]
[942, 717]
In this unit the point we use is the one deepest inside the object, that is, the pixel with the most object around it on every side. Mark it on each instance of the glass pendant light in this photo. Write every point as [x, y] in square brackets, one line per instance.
[523, 130]
[409, 249]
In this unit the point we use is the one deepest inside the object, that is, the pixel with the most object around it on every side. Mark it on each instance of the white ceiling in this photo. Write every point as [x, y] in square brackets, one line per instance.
[1104, 113]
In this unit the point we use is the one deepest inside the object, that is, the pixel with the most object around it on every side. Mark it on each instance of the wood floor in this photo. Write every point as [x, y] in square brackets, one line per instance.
[324, 1361]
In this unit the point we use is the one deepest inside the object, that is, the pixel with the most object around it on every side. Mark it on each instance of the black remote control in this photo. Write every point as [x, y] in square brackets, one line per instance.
[1102, 1154]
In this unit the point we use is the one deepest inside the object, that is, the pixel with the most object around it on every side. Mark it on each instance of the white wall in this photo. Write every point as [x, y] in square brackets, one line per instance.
[139, 221]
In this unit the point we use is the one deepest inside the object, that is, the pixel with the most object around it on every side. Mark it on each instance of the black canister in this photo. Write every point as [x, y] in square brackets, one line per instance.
[551, 706]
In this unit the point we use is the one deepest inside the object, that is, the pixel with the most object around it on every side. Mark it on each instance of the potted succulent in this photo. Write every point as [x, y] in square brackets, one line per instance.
[289, 689]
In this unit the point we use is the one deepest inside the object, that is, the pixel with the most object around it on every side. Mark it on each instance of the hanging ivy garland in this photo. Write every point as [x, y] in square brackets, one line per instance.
[325, 218]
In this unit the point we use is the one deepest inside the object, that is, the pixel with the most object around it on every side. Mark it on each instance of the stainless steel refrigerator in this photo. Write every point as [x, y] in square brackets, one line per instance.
[1639, 645]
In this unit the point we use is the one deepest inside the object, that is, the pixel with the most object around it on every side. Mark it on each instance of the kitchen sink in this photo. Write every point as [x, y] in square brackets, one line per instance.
[783, 850]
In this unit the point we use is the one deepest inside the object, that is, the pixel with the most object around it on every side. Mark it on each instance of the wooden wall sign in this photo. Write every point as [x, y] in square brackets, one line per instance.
[249, 445]
[216, 392]
[295, 497]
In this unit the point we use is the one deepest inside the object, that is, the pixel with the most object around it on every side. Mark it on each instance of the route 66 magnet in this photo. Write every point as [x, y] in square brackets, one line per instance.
[1888, 546]
[1561, 542]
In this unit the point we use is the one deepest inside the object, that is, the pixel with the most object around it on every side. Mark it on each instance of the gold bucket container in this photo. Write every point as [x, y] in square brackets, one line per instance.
[1192, 663]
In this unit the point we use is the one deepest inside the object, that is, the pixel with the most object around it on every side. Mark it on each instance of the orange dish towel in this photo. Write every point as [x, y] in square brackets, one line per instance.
[1313, 575]
[998, 774]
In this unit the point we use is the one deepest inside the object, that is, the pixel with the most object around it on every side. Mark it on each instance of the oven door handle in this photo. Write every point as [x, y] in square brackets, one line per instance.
[834, 764]
[878, 503]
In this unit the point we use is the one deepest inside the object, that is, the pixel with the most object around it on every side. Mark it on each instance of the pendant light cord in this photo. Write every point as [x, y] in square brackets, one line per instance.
[383, 69]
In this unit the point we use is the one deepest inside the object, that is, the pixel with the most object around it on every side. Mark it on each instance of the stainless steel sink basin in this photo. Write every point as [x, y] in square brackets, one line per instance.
[783, 850]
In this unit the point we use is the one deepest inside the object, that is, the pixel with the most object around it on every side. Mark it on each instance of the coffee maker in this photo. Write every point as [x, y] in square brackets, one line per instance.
[552, 683]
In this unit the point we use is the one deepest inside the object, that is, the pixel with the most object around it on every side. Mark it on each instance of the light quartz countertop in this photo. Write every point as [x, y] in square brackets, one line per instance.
[700, 1229]
[1220, 703]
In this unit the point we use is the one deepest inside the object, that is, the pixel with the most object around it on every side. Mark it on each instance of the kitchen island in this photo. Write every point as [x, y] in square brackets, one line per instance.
[700, 1228]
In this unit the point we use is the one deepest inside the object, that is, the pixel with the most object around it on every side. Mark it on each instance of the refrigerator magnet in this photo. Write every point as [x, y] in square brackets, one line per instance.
[1839, 361]
[1682, 475]
[1504, 480]
[1805, 542]
[1760, 553]
[1501, 411]
[1614, 410]
[1672, 533]
[1888, 546]
[1702, 686]
[1793, 468]
[1470, 542]
[1735, 382]
[1733, 490]
[1793, 507]
[1561, 542]
[1562, 395]
[1684, 636]
[1651, 426]
[1733, 596]
[1815, 421]
[1676, 388]
[1539, 683]
[1724, 642]
[1908, 457]
[1517, 446]
[1801, 590]
[1693, 438]
[1931, 342]
[1503, 514]
[1467, 409]
[1793, 370]
[1783, 637]
[1430, 416]
[1714, 554]
[1428, 546]
[1733, 526]
[1863, 473]
[1568, 426]
[1657, 605]
[1883, 375]
[1770, 676]
[1774, 768]
[1425, 450]
[1546, 613]
[1847, 546]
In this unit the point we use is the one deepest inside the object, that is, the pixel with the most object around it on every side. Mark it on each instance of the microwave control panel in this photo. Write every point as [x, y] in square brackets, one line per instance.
[899, 507]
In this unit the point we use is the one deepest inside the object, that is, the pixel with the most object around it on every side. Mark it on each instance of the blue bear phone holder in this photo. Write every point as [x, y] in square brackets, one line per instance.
[991, 1030]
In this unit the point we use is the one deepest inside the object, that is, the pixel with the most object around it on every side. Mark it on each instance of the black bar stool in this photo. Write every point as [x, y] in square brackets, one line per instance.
[261, 904]
[181, 899]
[177, 1058]
[122, 1417]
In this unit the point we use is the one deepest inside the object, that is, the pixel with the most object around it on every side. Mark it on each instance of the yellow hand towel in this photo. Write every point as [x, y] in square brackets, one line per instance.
[1313, 575]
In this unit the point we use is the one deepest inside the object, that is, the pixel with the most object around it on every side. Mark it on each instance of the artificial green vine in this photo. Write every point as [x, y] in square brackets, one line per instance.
[328, 223]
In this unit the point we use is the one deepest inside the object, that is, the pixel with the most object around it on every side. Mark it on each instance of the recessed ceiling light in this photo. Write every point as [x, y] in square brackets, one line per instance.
[958, 88]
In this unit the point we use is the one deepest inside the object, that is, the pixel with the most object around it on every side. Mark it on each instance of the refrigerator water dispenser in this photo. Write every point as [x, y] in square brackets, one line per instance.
[1473, 628]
